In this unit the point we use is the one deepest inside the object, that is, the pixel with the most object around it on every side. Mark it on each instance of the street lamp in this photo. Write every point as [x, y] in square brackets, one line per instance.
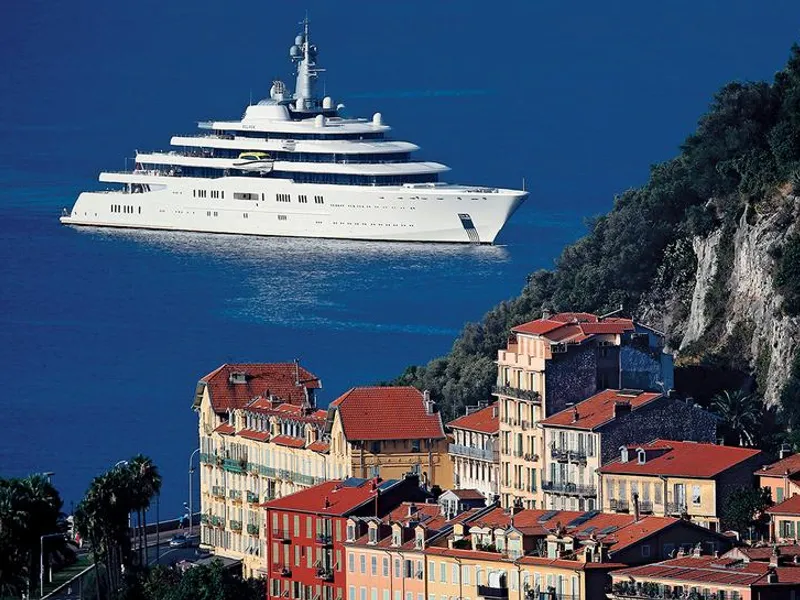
[41, 559]
[191, 472]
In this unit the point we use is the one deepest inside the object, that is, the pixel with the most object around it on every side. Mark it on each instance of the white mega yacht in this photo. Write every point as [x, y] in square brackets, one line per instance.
[294, 166]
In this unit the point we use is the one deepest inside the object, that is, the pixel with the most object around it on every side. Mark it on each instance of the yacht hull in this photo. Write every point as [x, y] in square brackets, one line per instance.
[413, 213]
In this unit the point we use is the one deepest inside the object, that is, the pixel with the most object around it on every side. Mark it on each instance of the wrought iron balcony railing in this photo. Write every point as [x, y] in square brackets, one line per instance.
[236, 525]
[487, 454]
[569, 489]
[568, 454]
[517, 393]
[253, 529]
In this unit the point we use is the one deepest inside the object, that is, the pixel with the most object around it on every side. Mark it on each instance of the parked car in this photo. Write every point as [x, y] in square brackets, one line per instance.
[178, 541]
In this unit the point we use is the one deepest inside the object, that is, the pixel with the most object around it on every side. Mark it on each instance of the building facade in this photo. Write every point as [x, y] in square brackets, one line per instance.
[260, 438]
[387, 432]
[475, 451]
[671, 478]
[579, 440]
[560, 360]
[306, 533]
[782, 478]
[785, 521]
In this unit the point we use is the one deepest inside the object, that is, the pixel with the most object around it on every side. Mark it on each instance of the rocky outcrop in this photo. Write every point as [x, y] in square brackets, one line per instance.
[736, 273]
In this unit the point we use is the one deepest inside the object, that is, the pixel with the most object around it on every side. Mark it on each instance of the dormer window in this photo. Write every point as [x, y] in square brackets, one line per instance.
[237, 377]
[351, 532]
[641, 456]
[623, 454]
[419, 541]
[397, 537]
[373, 535]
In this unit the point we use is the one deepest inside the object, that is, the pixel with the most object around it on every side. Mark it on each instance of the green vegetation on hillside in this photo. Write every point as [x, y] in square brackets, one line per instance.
[745, 146]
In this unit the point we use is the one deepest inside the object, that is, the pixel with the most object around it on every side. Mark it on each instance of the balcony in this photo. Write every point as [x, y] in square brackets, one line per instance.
[570, 455]
[676, 508]
[281, 534]
[323, 539]
[216, 521]
[569, 489]
[234, 465]
[217, 491]
[646, 507]
[252, 498]
[517, 393]
[553, 595]
[235, 495]
[266, 471]
[253, 529]
[493, 593]
[207, 459]
[284, 474]
[204, 519]
[325, 573]
[651, 590]
[236, 525]
[487, 454]
[618, 505]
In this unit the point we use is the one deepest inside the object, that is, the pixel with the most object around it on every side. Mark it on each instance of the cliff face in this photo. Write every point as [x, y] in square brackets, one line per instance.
[726, 303]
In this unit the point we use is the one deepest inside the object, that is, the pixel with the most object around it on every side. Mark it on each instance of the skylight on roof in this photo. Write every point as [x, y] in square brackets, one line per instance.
[353, 482]
[548, 515]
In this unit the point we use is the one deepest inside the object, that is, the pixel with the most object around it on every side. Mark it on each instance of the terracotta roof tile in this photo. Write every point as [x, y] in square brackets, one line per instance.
[789, 465]
[711, 570]
[485, 420]
[387, 413]
[261, 379]
[689, 459]
[321, 447]
[598, 410]
[252, 434]
[468, 494]
[286, 440]
[225, 429]
[574, 327]
[790, 506]
[329, 497]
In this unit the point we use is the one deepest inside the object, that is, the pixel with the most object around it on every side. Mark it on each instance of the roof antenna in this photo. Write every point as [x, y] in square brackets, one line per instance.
[297, 371]
[523, 184]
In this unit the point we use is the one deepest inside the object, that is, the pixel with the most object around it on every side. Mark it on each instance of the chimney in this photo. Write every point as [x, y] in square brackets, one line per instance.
[327, 503]
[297, 371]
[621, 408]
[494, 410]
[772, 575]
[785, 451]
[429, 404]
[575, 415]
[636, 515]
[412, 508]
[697, 551]
[775, 557]
[546, 314]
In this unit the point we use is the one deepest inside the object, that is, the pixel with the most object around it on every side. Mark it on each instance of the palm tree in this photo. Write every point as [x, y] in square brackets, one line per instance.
[741, 414]
[147, 484]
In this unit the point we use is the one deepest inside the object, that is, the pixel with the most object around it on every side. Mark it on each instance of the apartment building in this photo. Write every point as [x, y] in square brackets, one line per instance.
[781, 477]
[475, 451]
[785, 521]
[387, 432]
[260, 438]
[671, 478]
[557, 361]
[306, 532]
[577, 441]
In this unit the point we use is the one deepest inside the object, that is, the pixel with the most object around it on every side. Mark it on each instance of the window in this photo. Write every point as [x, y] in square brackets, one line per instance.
[645, 550]
[362, 593]
[397, 567]
[351, 593]
[374, 565]
[385, 567]
[283, 197]
[244, 196]
[696, 498]
[319, 200]
[455, 574]
[351, 562]
[373, 535]
[296, 526]
[779, 494]
[363, 563]
[302, 199]
[415, 445]
[351, 532]
[280, 217]
[465, 574]
[408, 570]
[373, 594]
[787, 529]
[443, 572]
[245, 216]
[431, 571]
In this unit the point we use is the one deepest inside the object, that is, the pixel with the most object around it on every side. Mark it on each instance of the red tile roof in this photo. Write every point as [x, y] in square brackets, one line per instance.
[321, 447]
[225, 429]
[386, 413]
[688, 459]
[468, 494]
[790, 506]
[761, 553]
[485, 420]
[252, 434]
[788, 466]
[574, 327]
[261, 379]
[291, 442]
[598, 410]
[328, 498]
[710, 570]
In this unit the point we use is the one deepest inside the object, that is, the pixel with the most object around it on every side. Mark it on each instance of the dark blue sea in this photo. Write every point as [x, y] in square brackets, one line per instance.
[103, 334]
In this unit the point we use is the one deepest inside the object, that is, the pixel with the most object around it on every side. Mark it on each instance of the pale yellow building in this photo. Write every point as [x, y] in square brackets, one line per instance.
[261, 437]
[555, 362]
[671, 478]
[387, 432]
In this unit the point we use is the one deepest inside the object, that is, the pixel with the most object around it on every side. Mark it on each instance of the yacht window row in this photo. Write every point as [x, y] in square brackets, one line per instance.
[244, 196]
[292, 136]
[217, 194]
[283, 197]
[309, 157]
[323, 178]
[126, 209]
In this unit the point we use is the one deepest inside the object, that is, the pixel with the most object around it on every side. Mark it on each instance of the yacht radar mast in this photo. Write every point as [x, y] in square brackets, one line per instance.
[304, 54]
